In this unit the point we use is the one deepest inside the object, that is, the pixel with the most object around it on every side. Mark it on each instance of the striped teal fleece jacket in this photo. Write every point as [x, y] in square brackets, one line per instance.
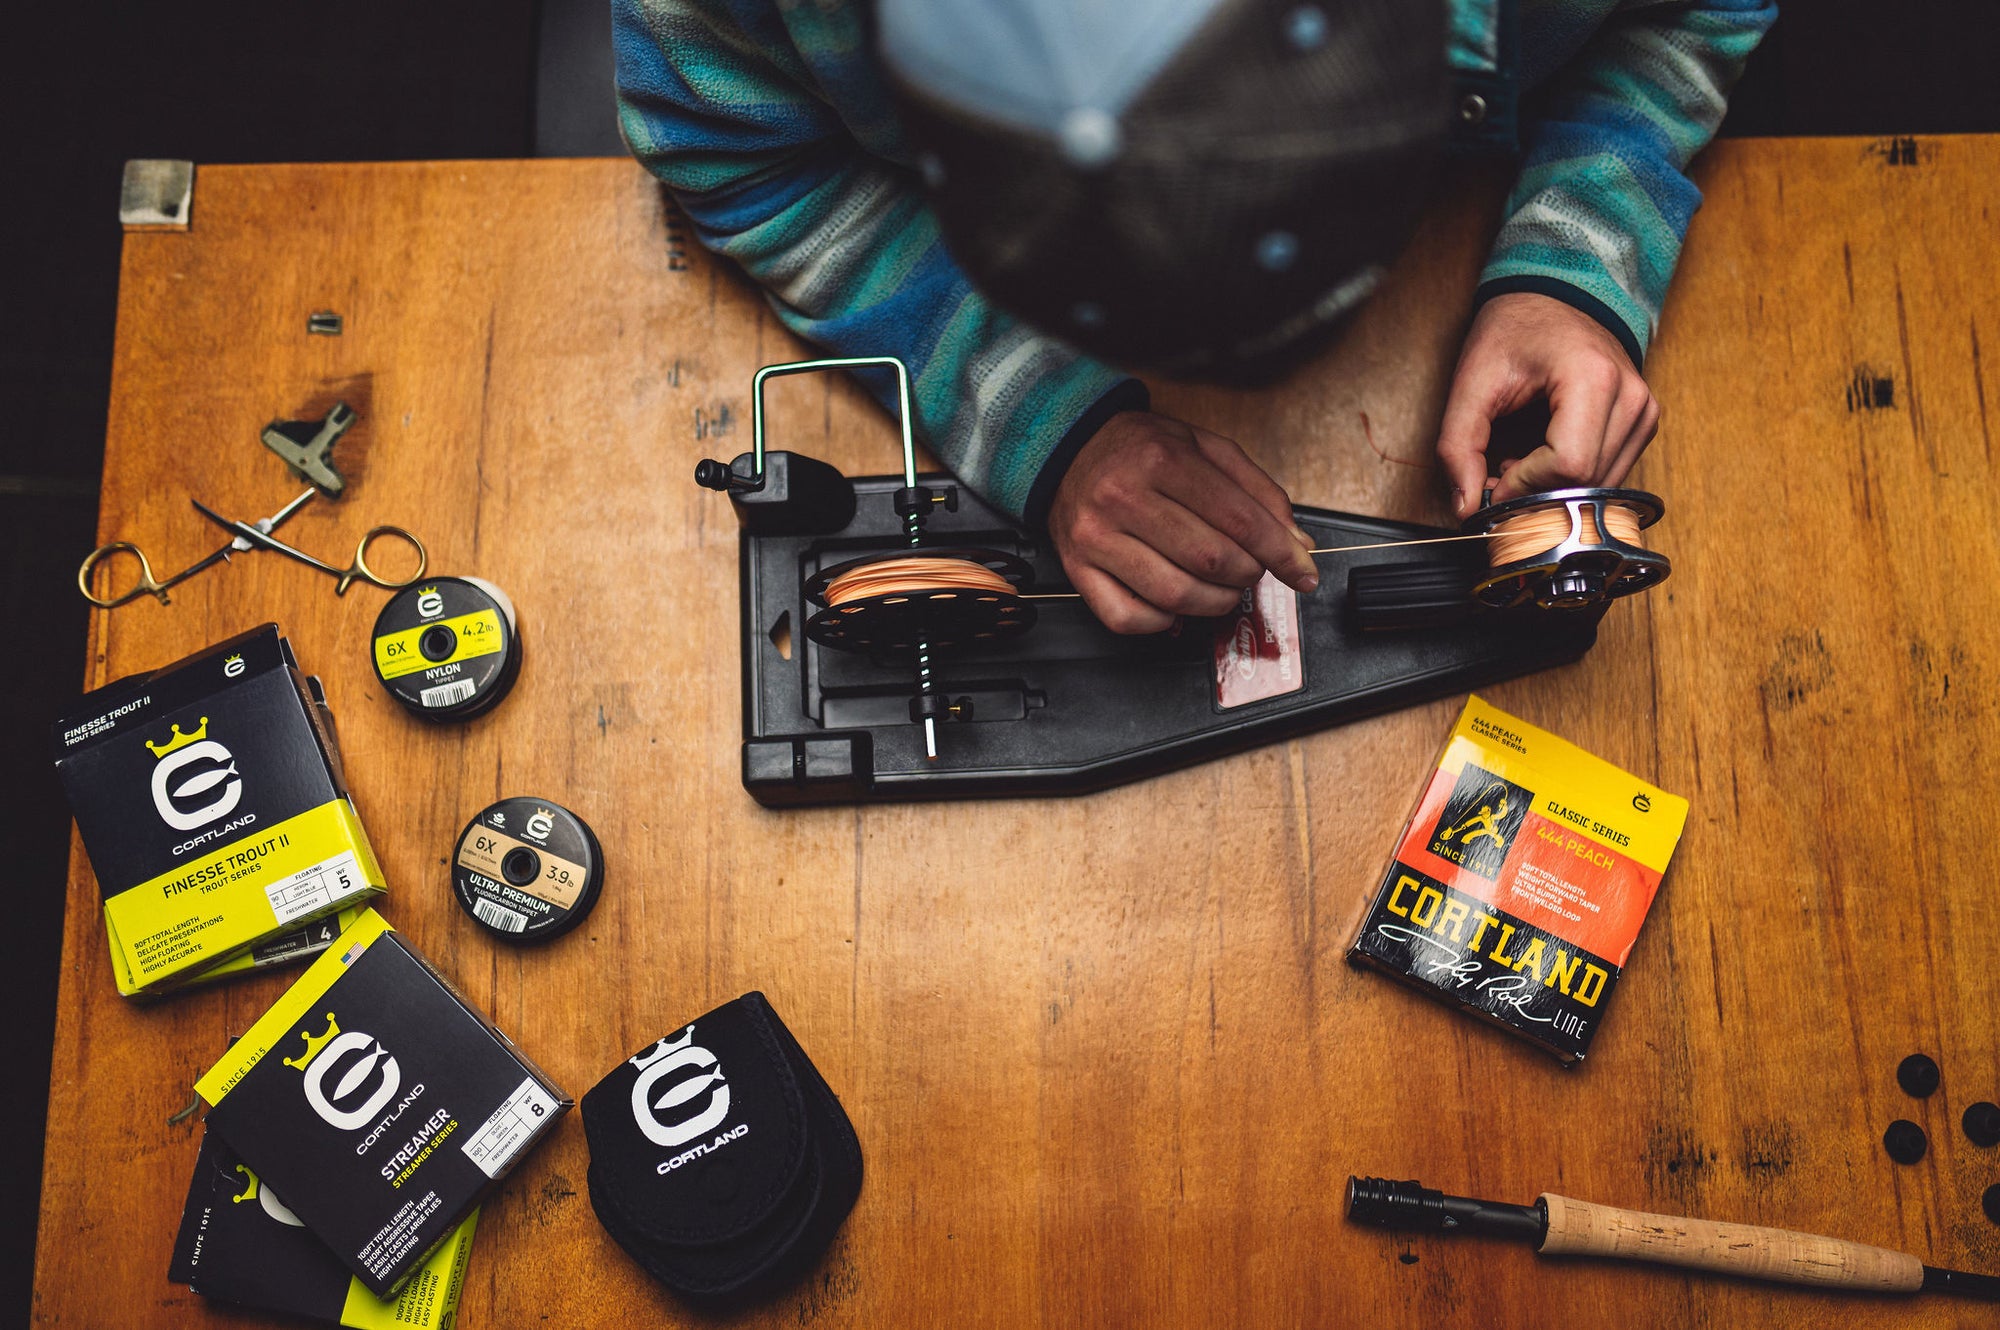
[773, 124]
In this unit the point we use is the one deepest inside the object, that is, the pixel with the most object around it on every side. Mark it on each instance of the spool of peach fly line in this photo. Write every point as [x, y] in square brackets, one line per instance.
[919, 602]
[1527, 535]
[889, 577]
[1561, 550]
[1567, 549]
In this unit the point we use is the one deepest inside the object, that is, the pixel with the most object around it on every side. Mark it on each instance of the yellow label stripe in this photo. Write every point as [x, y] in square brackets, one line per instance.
[1575, 788]
[478, 634]
[427, 1301]
[288, 1010]
[209, 906]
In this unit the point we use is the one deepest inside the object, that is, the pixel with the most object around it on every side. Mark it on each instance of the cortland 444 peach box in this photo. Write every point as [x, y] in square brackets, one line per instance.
[1519, 885]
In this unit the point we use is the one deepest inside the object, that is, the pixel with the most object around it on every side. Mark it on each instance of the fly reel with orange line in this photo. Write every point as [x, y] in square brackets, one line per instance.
[915, 604]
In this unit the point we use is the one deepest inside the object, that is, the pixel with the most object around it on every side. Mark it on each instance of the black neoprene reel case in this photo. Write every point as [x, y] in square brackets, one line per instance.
[719, 1158]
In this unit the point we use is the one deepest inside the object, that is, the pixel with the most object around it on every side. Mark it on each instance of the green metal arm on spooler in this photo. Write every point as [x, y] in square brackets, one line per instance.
[756, 480]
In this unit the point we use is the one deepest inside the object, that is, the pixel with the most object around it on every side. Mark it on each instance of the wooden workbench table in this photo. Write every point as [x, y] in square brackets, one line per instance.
[1104, 1056]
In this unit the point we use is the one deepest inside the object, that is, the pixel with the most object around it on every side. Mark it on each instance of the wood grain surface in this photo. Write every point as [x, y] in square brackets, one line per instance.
[1106, 1062]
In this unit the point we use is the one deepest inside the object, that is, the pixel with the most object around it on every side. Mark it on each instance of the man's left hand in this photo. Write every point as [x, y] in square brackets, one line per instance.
[1522, 347]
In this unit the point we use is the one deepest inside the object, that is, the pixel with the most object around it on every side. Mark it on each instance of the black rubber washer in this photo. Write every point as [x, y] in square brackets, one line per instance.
[1990, 1202]
[1982, 1124]
[1918, 1075]
[1905, 1141]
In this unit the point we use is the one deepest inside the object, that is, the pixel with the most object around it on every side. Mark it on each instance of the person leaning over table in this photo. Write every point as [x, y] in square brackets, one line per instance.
[1013, 196]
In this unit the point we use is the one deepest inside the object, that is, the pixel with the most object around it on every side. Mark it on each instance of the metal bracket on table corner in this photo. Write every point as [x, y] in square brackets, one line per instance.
[157, 194]
[307, 446]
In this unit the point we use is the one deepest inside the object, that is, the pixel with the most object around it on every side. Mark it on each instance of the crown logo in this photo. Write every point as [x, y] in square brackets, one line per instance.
[313, 1046]
[179, 740]
[428, 591]
[668, 1044]
[236, 659]
[250, 1190]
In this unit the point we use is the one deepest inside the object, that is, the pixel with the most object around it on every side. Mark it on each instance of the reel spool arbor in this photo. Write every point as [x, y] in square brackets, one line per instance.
[1561, 551]
[1593, 556]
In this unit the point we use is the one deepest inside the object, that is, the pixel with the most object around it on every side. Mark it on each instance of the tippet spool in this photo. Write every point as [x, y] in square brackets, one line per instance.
[448, 648]
[527, 870]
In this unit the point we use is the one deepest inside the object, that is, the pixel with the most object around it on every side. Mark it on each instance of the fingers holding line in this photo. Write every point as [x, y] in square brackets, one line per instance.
[1238, 500]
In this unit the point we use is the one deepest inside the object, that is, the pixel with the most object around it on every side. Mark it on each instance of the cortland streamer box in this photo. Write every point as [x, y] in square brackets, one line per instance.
[210, 799]
[239, 1243]
[378, 1103]
[1519, 885]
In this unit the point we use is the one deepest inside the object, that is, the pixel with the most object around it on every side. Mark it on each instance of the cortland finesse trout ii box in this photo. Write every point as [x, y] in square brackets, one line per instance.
[210, 799]
[379, 1104]
[1520, 882]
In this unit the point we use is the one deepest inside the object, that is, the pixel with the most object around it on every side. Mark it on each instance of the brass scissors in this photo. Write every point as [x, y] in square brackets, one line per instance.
[148, 585]
[262, 539]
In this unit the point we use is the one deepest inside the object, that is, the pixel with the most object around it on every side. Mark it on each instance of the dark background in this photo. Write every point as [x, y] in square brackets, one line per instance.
[230, 81]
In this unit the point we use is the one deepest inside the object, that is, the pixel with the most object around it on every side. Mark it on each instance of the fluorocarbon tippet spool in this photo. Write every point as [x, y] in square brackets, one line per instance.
[527, 870]
[448, 648]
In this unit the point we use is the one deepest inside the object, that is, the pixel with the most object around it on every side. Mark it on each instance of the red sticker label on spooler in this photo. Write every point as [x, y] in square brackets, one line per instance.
[1257, 651]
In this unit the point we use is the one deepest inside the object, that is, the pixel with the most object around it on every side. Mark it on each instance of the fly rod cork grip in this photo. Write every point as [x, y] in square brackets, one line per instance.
[1580, 1228]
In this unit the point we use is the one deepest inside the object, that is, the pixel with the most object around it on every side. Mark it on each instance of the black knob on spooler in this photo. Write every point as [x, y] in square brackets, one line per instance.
[711, 474]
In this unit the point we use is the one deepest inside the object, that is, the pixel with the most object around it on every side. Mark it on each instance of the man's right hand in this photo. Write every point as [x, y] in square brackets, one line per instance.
[1157, 518]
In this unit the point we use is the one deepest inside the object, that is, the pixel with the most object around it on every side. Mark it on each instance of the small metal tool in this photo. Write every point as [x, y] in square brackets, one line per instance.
[147, 585]
[307, 446]
[357, 569]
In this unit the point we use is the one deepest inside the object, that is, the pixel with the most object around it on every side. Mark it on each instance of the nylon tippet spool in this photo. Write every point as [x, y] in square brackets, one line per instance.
[448, 648]
[527, 870]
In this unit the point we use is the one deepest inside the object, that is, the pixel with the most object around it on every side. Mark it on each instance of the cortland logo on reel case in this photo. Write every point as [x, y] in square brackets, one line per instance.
[540, 825]
[327, 1053]
[176, 755]
[668, 1057]
[429, 603]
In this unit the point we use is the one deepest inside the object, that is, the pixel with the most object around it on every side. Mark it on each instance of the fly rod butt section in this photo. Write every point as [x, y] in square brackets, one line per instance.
[1581, 1228]
[1558, 1226]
